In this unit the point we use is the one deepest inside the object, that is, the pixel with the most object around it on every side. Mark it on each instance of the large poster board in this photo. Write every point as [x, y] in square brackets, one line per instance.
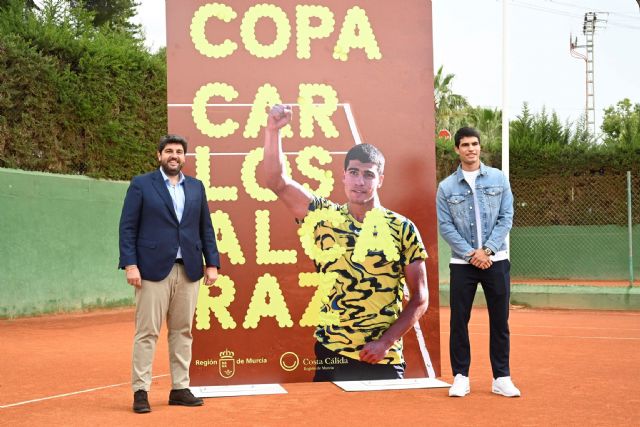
[354, 72]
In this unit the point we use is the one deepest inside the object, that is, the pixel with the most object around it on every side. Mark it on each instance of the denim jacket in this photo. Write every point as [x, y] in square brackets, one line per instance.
[456, 217]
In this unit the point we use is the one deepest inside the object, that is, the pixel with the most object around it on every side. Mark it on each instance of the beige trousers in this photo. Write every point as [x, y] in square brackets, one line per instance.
[174, 300]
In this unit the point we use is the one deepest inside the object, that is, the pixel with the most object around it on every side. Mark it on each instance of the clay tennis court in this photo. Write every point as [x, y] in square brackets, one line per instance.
[573, 367]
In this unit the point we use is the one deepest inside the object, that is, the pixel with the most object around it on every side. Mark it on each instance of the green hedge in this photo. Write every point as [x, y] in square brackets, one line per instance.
[528, 161]
[77, 100]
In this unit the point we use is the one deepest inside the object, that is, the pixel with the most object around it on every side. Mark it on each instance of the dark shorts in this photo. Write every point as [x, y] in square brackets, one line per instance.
[332, 366]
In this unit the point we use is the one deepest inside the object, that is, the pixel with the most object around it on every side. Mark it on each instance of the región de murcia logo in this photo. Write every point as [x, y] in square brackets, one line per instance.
[226, 365]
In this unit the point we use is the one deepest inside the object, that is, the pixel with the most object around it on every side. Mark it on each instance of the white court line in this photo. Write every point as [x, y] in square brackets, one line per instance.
[581, 327]
[564, 336]
[351, 121]
[289, 153]
[210, 105]
[577, 336]
[564, 327]
[71, 393]
[339, 104]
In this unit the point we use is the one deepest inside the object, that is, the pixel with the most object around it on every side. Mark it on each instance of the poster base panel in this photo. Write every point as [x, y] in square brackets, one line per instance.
[237, 390]
[403, 384]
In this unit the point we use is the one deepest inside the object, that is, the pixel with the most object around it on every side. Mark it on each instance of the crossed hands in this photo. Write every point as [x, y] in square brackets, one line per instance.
[480, 259]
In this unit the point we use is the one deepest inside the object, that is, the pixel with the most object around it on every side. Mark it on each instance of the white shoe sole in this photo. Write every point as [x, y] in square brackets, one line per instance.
[467, 391]
[496, 391]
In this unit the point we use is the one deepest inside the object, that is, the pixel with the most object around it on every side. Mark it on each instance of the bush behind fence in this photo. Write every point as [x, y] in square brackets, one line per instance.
[575, 228]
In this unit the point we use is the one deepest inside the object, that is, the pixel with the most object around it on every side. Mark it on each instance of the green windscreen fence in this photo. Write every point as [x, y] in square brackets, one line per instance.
[60, 237]
[59, 246]
[572, 228]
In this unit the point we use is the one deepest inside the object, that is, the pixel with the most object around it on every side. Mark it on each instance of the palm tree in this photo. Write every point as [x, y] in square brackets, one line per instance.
[447, 104]
[488, 121]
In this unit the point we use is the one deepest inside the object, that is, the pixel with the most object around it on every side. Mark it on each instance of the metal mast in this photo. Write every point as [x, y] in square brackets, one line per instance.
[588, 29]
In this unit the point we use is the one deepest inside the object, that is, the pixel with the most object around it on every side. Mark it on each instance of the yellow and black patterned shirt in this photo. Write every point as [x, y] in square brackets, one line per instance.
[369, 288]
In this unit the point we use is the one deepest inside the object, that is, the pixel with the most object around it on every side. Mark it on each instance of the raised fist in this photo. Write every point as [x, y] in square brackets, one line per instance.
[279, 116]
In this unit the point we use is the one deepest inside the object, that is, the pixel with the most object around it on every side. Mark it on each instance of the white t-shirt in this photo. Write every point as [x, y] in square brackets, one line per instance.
[470, 177]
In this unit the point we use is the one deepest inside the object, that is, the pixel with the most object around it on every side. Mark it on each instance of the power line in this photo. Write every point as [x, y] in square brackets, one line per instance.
[623, 25]
[546, 9]
[636, 18]
[554, 11]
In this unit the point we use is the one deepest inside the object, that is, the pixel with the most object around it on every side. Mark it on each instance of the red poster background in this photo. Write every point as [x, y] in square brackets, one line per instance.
[392, 103]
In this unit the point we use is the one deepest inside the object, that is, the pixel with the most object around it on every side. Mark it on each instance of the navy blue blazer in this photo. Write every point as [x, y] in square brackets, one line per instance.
[150, 232]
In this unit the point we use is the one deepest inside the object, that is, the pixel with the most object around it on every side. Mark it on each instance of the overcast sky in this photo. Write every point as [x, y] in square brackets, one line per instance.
[467, 38]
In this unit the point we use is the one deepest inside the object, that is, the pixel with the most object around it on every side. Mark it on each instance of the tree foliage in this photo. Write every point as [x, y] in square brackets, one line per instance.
[27, 4]
[449, 106]
[81, 95]
[621, 124]
[115, 14]
[75, 98]
[540, 144]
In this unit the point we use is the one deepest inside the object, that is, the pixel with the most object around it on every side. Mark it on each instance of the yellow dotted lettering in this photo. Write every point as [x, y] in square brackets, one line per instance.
[283, 30]
[356, 33]
[264, 253]
[312, 314]
[198, 26]
[325, 177]
[307, 235]
[203, 173]
[199, 110]
[217, 305]
[267, 286]
[375, 236]
[305, 31]
[248, 176]
[226, 237]
[266, 96]
[321, 112]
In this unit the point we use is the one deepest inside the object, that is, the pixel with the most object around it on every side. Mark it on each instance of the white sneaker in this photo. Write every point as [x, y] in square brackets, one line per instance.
[460, 387]
[505, 387]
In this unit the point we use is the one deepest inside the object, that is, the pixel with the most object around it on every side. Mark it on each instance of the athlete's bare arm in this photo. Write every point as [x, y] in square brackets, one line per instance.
[294, 195]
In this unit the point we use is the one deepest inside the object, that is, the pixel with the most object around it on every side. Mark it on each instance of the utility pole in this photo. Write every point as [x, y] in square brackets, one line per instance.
[505, 98]
[589, 26]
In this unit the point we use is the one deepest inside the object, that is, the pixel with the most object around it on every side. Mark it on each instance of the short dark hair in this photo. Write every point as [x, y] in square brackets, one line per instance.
[172, 139]
[365, 153]
[464, 132]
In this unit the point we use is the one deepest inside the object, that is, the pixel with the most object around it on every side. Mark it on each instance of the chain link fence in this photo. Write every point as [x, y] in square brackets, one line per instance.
[576, 228]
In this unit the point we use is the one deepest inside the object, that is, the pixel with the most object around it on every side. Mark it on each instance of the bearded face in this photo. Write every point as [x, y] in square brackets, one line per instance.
[172, 159]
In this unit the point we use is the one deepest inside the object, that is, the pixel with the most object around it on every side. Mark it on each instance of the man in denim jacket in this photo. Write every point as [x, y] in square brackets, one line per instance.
[475, 213]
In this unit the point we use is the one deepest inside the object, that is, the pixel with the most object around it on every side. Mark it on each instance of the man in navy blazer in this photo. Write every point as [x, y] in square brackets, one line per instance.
[165, 231]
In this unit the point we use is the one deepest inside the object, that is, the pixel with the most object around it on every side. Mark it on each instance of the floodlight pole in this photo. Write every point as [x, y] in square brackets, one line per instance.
[505, 97]
[505, 92]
